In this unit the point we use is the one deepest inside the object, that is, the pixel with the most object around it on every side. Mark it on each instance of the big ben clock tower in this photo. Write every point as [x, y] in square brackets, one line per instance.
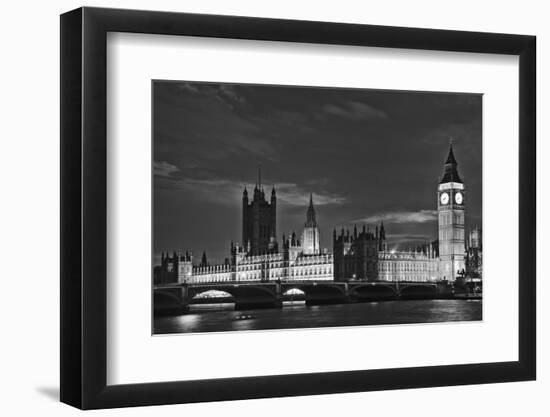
[450, 207]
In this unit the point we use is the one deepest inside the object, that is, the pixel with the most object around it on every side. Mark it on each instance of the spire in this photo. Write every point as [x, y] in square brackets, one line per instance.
[310, 217]
[382, 231]
[258, 189]
[450, 173]
[451, 157]
[204, 262]
[273, 193]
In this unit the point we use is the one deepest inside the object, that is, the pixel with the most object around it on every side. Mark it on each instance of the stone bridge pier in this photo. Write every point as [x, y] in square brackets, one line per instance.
[171, 299]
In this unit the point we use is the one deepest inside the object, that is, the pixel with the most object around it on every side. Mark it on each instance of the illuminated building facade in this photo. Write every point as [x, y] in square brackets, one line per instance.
[414, 265]
[259, 260]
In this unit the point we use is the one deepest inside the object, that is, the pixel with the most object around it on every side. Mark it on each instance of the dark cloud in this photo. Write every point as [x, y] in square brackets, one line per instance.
[355, 110]
[164, 169]
[226, 191]
[225, 93]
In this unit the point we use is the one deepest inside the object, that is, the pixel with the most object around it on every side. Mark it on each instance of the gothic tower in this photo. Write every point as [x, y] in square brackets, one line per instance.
[259, 221]
[450, 206]
[310, 236]
[185, 267]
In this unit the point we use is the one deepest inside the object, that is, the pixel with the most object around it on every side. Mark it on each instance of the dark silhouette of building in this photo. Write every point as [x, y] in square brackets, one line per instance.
[204, 261]
[356, 254]
[167, 271]
[259, 221]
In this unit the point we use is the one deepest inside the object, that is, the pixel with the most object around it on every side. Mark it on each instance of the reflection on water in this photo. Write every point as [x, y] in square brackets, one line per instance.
[223, 317]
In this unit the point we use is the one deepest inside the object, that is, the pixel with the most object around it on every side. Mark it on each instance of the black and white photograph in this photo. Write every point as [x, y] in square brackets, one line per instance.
[247, 208]
[287, 207]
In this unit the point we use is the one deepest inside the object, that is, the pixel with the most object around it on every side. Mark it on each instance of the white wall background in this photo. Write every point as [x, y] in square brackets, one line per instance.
[29, 225]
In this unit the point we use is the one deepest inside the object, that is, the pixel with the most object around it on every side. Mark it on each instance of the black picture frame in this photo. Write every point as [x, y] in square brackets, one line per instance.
[84, 194]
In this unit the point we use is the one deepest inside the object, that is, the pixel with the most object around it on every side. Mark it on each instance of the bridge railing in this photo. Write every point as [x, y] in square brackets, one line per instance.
[298, 282]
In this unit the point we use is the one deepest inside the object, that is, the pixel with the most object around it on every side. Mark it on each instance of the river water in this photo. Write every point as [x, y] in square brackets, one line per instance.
[223, 317]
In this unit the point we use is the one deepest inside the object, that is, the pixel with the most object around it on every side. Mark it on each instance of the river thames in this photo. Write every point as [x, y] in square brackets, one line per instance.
[223, 317]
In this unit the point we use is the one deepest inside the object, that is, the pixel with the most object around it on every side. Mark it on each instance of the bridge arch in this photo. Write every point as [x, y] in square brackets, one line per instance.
[166, 297]
[244, 295]
[168, 301]
[318, 292]
[370, 291]
[212, 295]
[294, 291]
[235, 290]
[293, 294]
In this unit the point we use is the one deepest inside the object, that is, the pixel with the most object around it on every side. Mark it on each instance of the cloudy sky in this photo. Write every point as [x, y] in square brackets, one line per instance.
[366, 155]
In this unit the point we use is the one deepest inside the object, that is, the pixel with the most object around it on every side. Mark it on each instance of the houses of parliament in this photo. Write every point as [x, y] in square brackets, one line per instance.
[357, 254]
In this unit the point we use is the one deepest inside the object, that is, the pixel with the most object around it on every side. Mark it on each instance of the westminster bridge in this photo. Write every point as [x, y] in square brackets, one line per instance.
[255, 294]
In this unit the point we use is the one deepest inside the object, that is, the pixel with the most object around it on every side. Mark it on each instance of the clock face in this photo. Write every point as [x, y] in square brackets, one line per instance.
[444, 198]
[459, 198]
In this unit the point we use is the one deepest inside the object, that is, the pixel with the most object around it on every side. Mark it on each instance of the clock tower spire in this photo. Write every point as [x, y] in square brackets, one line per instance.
[450, 207]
